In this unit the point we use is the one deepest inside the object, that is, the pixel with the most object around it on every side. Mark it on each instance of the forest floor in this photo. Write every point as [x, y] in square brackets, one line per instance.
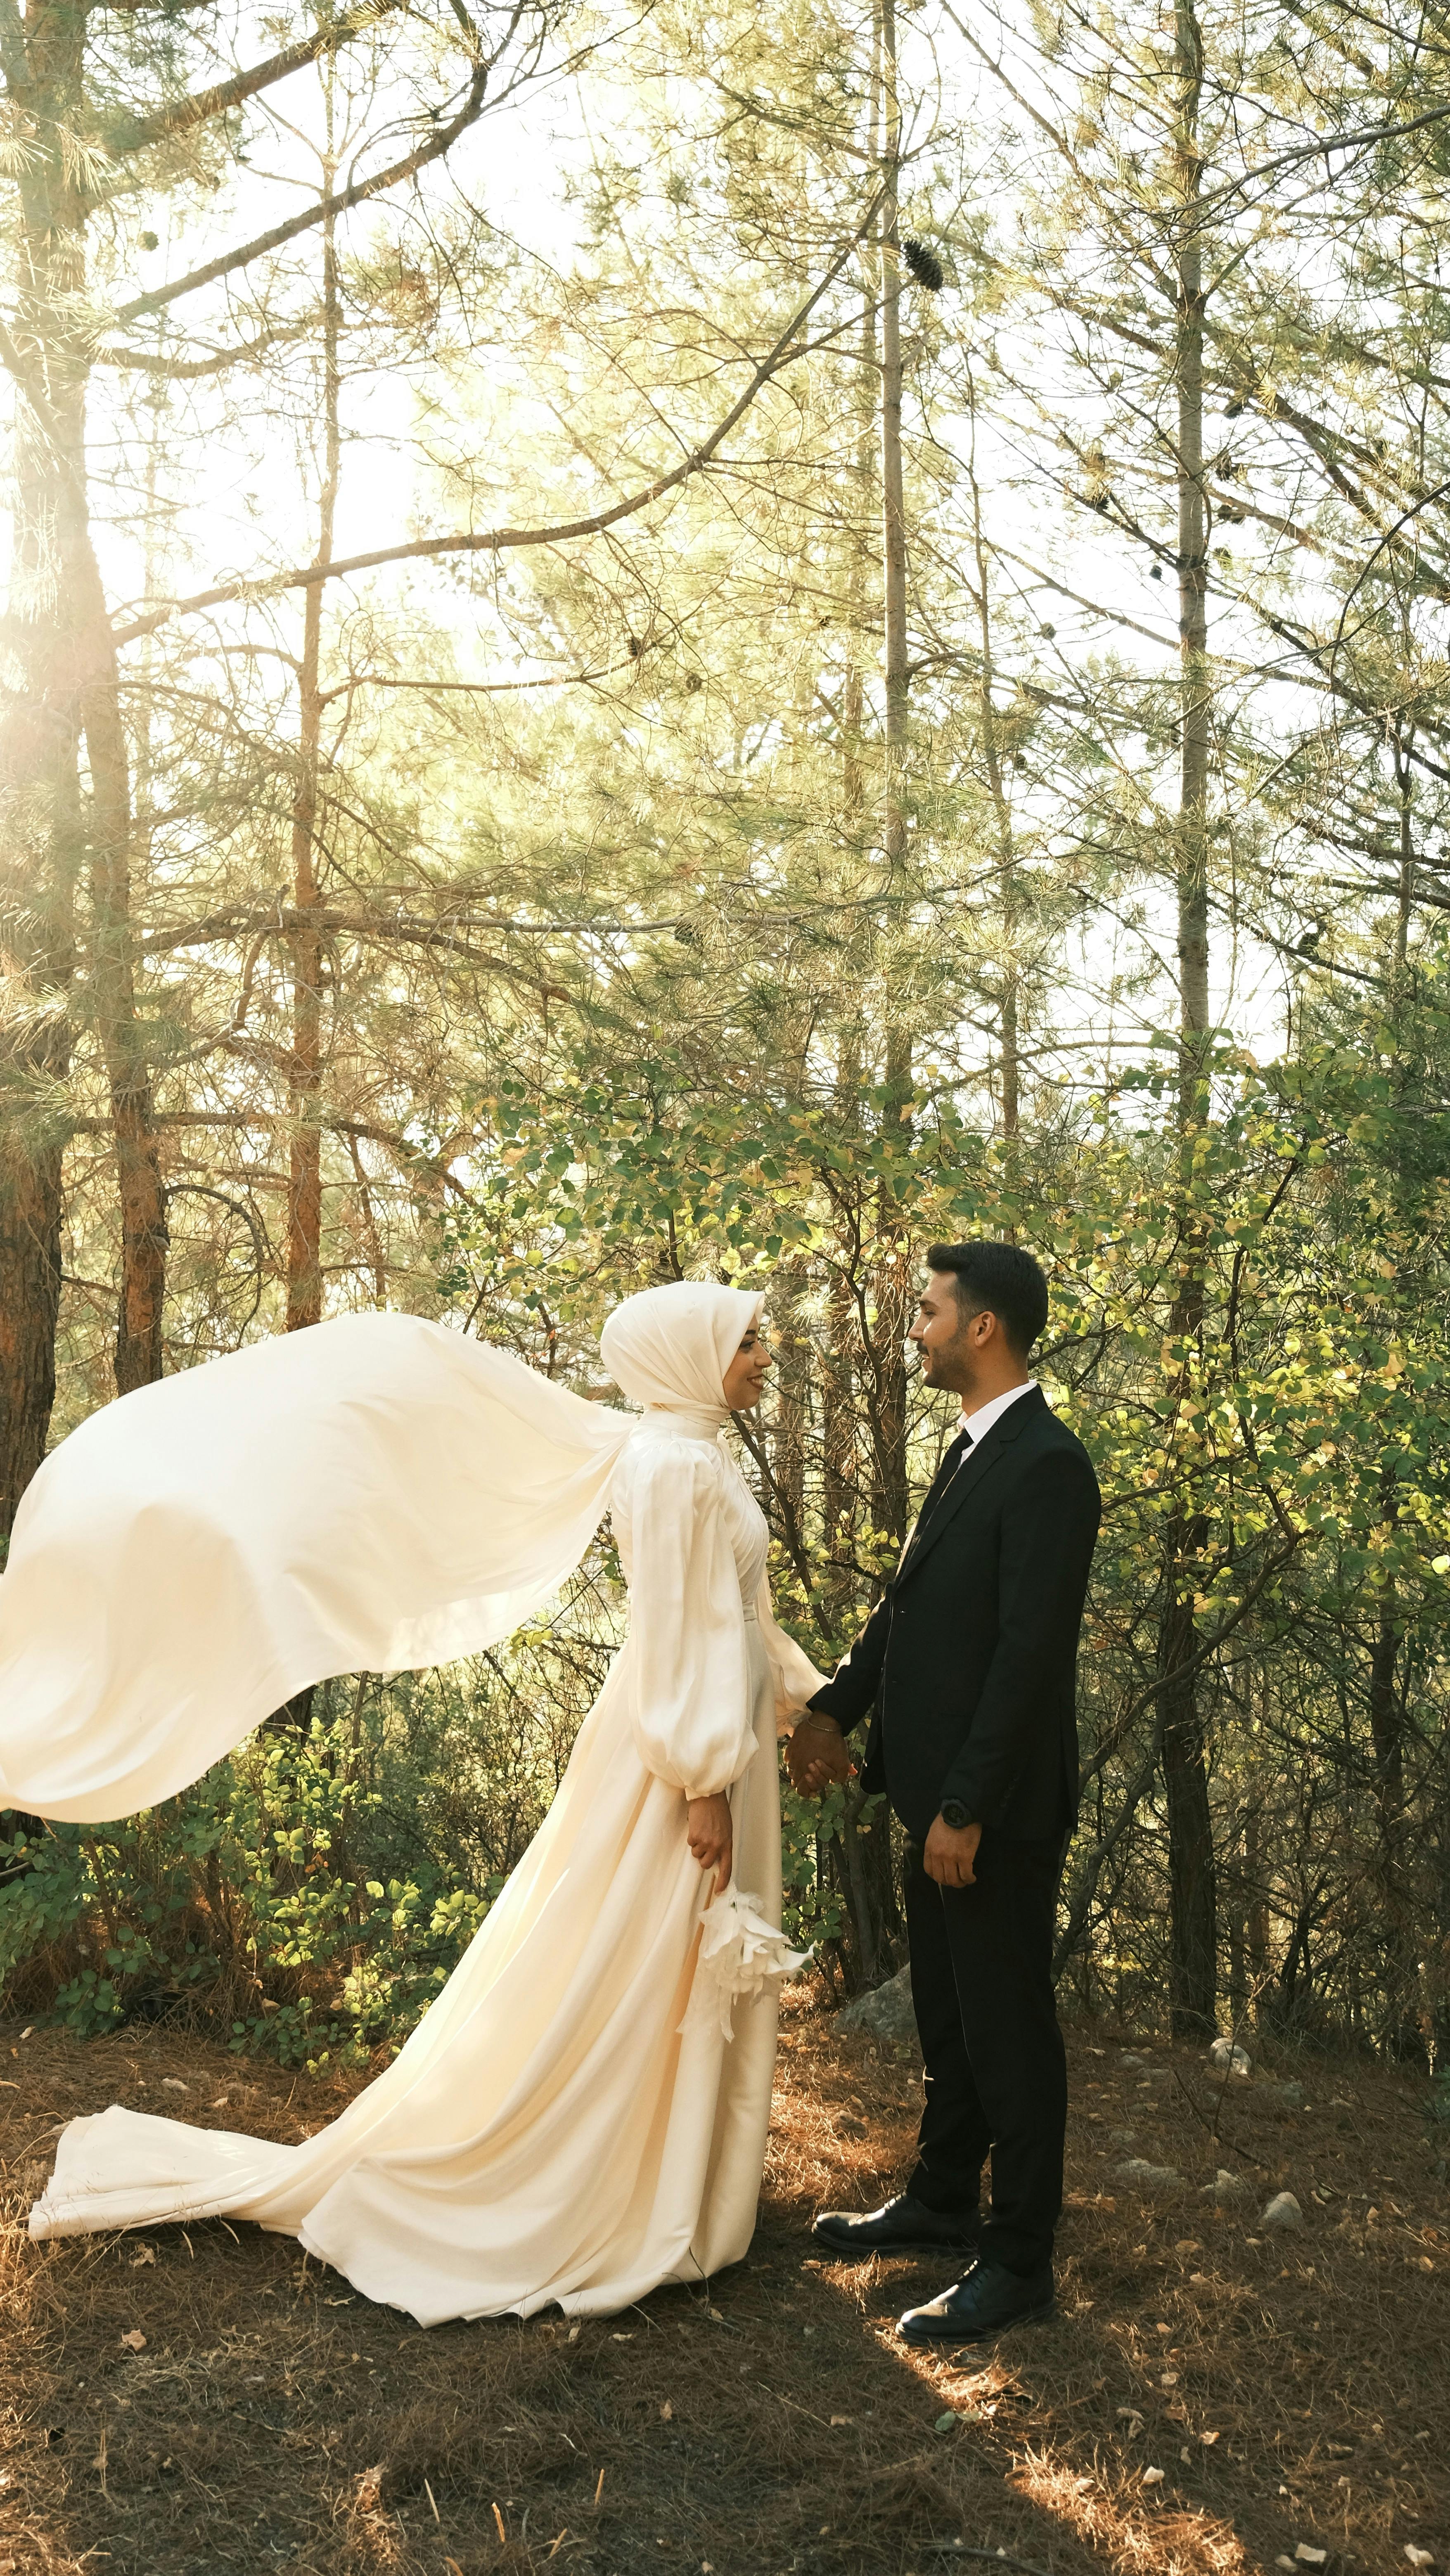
[1293, 2391]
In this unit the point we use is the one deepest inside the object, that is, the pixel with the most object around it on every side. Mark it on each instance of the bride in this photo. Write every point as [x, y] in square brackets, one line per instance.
[582, 2112]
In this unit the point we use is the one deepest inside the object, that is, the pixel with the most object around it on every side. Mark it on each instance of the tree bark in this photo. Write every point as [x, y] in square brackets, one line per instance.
[304, 1190]
[39, 802]
[838, 1359]
[38, 770]
[39, 780]
[1011, 1065]
[144, 1238]
[1256, 1918]
[893, 1282]
[1387, 1735]
[1191, 1869]
[842, 1345]
[1402, 742]
[70, 692]
[30, 1271]
[893, 502]
[792, 1391]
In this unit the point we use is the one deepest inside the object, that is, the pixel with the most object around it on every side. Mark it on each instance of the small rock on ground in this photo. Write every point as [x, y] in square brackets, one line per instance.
[886, 2012]
[1150, 2177]
[1282, 2211]
[1226, 2186]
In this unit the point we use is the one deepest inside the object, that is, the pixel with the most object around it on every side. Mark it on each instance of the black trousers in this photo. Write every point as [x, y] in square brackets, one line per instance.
[996, 2074]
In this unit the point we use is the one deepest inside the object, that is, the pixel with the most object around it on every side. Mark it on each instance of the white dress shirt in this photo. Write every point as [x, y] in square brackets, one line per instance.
[977, 1425]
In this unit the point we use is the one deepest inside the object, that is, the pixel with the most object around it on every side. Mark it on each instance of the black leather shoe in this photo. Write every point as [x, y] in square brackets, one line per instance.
[985, 2304]
[903, 2226]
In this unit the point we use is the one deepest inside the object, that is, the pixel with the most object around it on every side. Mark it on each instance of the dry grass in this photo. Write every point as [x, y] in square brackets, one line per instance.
[273, 2419]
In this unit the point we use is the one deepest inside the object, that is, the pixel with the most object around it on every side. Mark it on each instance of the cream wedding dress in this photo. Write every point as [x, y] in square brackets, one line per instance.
[582, 2113]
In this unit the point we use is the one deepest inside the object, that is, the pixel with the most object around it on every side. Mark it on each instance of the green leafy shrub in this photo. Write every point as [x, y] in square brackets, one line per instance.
[310, 1895]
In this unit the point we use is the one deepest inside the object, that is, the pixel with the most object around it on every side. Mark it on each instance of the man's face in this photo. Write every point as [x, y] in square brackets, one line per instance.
[940, 1333]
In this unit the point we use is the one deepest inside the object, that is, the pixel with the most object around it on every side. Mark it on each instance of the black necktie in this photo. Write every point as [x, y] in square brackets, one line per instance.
[936, 1490]
[952, 1457]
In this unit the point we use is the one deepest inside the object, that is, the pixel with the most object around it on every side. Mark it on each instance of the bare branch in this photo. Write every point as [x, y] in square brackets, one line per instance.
[204, 104]
[151, 362]
[338, 204]
[285, 919]
[1321, 143]
[786, 350]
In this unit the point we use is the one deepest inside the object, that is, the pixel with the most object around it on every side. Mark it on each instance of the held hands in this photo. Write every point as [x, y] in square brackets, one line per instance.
[950, 1853]
[711, 1837]
[816, 1756]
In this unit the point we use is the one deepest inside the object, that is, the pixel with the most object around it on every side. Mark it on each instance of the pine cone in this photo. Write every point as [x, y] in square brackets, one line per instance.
[923, 263]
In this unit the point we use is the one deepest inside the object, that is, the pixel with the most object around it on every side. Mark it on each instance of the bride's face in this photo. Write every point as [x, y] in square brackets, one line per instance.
[744, 1380]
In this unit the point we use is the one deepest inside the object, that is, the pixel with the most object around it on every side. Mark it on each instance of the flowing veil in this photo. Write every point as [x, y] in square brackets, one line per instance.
[374, 1493]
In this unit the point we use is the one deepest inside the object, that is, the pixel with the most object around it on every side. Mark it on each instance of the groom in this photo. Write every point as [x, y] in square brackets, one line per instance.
[966, 1671]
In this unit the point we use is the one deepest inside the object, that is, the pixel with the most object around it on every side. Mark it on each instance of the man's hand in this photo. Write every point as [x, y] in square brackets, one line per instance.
[950, 1853]
[712, 1837]
[816, 1755]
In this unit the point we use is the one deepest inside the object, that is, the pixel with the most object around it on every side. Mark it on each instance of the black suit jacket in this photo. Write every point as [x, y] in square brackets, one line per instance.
[967, 1668]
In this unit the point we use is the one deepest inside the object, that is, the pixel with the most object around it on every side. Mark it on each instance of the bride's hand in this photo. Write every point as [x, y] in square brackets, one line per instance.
[712, 1836]
[817, 1756]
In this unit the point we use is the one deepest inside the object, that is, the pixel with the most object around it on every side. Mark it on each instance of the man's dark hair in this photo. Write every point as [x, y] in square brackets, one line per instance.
[998, 1278]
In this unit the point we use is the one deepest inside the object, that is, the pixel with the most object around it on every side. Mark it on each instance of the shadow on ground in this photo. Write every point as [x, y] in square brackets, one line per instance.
[1291, 2392]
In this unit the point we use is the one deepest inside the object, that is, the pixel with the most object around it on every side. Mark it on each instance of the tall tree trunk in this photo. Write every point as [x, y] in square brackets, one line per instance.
[893, 502]
[304, 1188]
[894, 1277]
[38, 765]
[1387, 1735]
[838, 1359]
[842, 1343]
[40, 832]
[144, 1238]
[792, 1391]
[1238, 1975]
[1404, 794]
[1011, 1067]
[1192, 1872]
[861, 569]
[70, 690]
[1256, 1917]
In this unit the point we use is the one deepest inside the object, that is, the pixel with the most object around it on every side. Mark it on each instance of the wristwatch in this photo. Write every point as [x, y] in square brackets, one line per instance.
[953, 1813]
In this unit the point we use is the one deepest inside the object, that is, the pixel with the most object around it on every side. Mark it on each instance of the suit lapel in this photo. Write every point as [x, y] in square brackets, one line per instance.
[977, 1465]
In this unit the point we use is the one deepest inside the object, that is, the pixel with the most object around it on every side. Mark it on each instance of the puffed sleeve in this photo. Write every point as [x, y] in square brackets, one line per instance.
[692, 1699]
[796, 1678]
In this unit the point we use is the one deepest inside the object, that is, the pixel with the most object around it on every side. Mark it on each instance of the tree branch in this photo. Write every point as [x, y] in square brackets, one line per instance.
[152, 362]
[237, 1121]
[204, 104]
[286, 918]
[507, 540]
[338, 204]
[1321, 143]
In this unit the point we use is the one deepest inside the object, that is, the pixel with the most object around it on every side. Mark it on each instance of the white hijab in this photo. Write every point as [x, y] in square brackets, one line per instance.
[374, 1494]
[669, 1348]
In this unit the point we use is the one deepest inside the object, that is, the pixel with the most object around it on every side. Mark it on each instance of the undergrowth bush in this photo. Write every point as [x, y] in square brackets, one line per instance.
[309, 1896]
